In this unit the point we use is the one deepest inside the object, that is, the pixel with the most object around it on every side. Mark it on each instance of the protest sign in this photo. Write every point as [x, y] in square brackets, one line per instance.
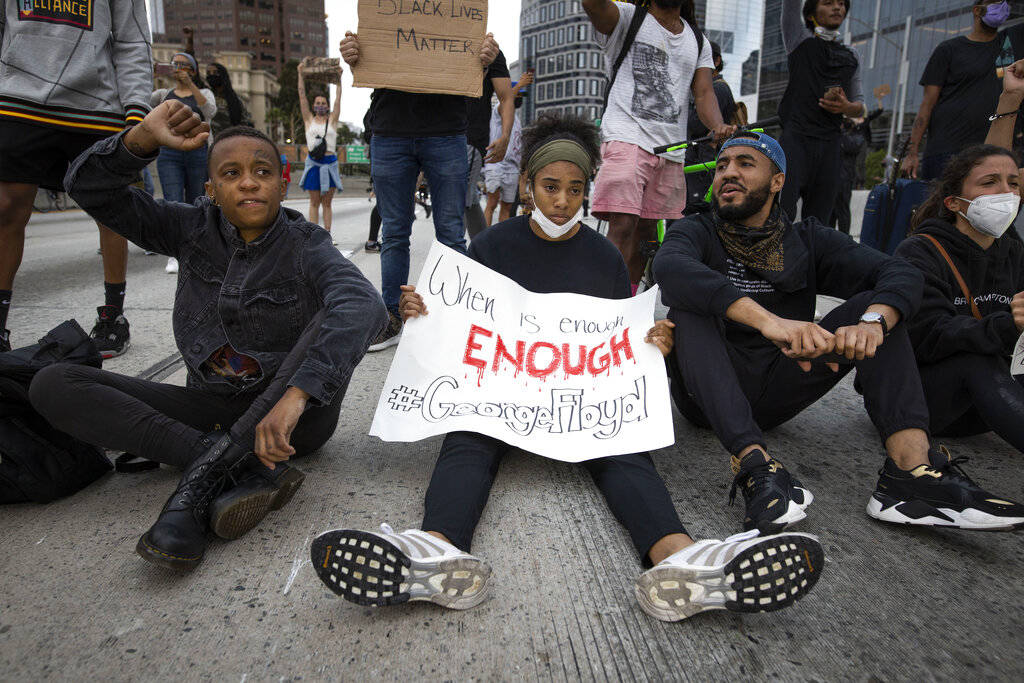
[565, 376]
[1017, 363]
[425, 46]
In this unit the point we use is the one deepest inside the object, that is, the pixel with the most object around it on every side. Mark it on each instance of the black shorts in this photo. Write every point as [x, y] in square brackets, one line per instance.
[39, 155]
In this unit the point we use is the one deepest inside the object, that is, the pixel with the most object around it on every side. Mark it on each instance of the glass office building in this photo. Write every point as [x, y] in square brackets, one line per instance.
[737, 26]
[878, 42]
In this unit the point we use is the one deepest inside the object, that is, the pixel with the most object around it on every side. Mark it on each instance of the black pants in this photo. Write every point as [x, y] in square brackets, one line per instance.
[714, 385]
[468, 463]
[163, 422]
[841, 212]
[812, 174]
[970, 394]
[375, 221]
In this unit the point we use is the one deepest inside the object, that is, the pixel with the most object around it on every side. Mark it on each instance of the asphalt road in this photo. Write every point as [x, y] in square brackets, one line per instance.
[76, 603]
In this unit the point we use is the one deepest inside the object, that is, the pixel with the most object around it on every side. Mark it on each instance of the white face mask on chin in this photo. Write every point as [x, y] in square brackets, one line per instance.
[548, 226]
[992, 214]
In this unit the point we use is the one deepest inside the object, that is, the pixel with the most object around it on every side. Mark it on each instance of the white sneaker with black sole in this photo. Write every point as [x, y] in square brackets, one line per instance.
[389, 568]
[744, 573]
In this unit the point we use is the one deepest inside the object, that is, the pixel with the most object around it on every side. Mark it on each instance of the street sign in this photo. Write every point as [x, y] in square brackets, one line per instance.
[356, 154]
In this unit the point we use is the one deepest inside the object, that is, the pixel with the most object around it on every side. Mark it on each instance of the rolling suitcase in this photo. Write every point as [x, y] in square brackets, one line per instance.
[888, 212]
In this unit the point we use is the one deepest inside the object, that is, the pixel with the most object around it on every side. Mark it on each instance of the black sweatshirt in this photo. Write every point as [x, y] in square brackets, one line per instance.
[697, 275]
[586, 263]
[944, 325]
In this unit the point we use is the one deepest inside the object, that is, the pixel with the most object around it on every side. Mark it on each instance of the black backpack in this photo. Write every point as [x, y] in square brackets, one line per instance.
[37, 462]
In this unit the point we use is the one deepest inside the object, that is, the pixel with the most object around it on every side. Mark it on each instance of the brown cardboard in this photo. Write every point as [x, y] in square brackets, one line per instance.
[426, 46]
[321, 70]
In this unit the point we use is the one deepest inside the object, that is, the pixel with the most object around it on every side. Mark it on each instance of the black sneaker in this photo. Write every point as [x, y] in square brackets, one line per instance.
[110, 333]
[774, 498]
[5, 341]
[371, 247]
[940, 495]
[390, 336]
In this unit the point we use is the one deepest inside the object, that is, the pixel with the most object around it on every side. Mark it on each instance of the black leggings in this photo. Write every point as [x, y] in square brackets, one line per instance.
[970, 394]
[163, 422]
[468, 463]
[715, 385]
[812, 174]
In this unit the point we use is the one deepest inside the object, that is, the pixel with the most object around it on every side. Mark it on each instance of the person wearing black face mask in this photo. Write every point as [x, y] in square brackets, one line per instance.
[231, 110]
[961, 89]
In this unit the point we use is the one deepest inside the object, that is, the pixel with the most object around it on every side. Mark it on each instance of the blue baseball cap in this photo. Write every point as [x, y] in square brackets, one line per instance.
[765, 144]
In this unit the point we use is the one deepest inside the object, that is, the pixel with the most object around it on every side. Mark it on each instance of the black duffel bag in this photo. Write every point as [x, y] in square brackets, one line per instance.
[37, 462]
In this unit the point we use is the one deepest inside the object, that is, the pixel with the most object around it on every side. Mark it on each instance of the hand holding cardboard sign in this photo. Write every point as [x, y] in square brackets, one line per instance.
[350, 48]
[488, 50]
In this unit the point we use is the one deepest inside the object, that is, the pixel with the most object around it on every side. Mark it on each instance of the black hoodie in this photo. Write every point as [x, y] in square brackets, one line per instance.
[696, 275]
[944, 325]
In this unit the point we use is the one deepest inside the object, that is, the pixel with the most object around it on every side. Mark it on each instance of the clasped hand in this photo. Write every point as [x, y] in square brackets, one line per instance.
[802, 341]
[411, 305]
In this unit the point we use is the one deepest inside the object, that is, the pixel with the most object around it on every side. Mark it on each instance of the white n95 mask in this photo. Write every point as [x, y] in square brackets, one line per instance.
[992, 214]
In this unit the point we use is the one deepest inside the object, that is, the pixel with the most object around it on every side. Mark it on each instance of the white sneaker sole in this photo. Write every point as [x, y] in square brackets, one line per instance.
[767, 576]
[366, 569]
[387, 343]
[970, 519]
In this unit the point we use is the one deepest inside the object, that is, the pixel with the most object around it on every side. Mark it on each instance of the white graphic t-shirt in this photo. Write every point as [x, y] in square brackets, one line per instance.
[650, 100]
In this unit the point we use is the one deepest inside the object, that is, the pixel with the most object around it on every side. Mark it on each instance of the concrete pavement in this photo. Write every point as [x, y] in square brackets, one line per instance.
[76, 603]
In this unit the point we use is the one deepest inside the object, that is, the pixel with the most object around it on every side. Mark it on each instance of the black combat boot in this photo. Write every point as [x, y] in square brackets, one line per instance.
[178, 538]
[259, 490]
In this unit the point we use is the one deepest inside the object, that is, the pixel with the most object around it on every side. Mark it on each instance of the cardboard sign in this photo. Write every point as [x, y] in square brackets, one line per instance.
[426, 46]
[565, 376]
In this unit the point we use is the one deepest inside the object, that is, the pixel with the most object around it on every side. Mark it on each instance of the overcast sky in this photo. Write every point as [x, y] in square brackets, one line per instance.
[342, 15]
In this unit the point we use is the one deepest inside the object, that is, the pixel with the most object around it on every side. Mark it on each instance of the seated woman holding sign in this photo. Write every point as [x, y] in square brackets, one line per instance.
[551, 251]
[963, 342]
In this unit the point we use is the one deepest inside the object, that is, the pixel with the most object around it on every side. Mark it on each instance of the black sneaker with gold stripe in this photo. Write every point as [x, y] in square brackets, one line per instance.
[774, 498]
[940, 494]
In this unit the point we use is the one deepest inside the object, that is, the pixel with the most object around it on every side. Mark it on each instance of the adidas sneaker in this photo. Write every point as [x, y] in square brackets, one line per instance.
[389, 568]
[744, 573]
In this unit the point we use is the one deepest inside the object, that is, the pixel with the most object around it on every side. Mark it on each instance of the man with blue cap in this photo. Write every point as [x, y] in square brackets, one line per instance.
[741, 284]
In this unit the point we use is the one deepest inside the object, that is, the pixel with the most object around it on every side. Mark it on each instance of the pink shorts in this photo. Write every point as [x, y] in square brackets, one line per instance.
[634, 181]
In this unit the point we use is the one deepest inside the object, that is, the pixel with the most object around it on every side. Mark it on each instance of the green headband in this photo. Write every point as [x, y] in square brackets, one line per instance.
[560, 150]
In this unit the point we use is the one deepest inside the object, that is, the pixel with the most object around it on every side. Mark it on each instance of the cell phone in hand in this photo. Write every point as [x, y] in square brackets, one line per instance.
[163, 70]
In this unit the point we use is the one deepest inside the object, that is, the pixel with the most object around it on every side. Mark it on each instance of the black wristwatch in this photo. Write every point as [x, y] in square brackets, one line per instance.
[873, 317]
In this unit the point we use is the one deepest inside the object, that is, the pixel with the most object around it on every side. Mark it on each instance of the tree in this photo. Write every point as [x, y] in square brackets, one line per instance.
[284, 107]
[346, 136]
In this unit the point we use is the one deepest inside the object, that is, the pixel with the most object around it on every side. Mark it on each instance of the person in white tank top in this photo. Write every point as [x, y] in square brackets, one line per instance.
[321, 177]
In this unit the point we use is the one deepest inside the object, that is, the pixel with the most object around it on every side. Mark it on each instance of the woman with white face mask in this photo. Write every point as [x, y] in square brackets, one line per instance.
[972, 312]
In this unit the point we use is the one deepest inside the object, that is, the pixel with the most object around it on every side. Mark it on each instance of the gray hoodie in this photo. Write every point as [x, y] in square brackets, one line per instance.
[81, 65]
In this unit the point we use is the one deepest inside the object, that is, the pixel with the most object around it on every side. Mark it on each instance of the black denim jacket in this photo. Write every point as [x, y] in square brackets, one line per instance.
[257, 296]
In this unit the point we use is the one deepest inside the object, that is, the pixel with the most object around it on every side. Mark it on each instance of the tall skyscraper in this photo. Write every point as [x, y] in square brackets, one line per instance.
[878, 43]
[557, 39]
[273, 31]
